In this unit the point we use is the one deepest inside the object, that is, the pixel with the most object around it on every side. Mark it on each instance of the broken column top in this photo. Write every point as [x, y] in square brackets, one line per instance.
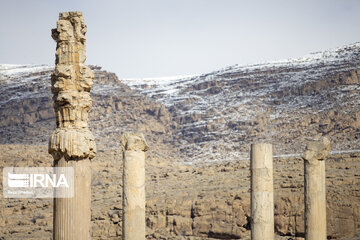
[64, 15]
[71, 83]
[317, 149]
[70, 27]
[133, 142]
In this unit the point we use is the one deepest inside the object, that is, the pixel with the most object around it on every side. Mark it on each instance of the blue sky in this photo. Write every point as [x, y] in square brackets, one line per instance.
[155, 38]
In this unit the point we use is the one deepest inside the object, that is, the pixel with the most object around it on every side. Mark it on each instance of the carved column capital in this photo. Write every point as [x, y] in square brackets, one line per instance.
[71, 83]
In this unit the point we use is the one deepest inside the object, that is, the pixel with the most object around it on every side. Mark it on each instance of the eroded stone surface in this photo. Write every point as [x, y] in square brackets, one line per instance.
[315, 188]
[317, 150]
[133, 142]
[71, 84]
[133, 147]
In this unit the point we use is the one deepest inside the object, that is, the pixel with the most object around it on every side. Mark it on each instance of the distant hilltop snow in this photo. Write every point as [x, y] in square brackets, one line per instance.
[331, 55]
[284, 101]
[208, 117]
[16, 69]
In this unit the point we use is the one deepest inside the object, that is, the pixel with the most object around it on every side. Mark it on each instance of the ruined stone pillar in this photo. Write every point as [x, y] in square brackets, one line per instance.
[315, 189]
[72, 144]
[133, 147]
[262, 192]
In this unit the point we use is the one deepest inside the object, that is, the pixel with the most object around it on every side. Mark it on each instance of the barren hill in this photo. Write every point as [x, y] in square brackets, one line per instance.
[210, 117]
[284, 102]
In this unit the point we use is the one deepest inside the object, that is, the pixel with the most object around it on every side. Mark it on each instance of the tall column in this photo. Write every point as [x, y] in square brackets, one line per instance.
[133, 147]
[262, 192]
[315, 189]
[72, 144]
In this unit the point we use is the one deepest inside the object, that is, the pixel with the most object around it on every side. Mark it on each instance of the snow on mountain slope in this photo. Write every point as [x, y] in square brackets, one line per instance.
[208, 117]
[20, 81]
[284, 102]
[27, 115]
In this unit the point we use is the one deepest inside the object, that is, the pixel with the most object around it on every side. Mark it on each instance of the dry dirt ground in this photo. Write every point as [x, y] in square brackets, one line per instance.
[204, 201]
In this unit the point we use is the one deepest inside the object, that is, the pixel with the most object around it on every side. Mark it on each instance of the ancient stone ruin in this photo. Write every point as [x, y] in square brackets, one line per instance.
[134, 147]
[72, 144]
[315, 189]
[262, 192]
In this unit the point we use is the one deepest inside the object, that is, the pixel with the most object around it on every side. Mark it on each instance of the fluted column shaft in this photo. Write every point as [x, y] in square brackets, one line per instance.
[72, 144]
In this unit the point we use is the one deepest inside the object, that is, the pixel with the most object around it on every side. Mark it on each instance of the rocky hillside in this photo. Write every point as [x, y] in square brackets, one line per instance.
[218, 114]
[211, 117]
[27, 115]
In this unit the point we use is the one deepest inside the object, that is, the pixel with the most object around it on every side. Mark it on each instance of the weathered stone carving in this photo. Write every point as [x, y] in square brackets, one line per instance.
[71, 84]
[133, 141]
[315, 189]
[72, 144]
[317, 150]
[134, 147]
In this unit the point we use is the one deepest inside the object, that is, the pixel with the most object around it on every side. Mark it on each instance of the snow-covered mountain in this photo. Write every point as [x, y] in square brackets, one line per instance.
[209, 117]
[283, 102]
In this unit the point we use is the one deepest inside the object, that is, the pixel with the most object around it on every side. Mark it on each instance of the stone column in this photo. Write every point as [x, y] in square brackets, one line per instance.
[262, 192]
[315, 189]
[133, 147]
[72, 144]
